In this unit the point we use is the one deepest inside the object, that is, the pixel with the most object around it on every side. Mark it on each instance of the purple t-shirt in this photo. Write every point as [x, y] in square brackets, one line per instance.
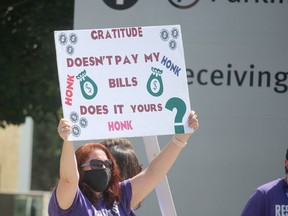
[270, 199]
[82, 206]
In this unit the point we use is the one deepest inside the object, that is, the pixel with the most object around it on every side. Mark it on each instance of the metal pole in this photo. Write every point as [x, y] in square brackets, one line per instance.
[163, 192]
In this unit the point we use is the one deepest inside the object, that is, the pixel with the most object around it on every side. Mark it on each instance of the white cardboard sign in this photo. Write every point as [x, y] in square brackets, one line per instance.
[123, 82]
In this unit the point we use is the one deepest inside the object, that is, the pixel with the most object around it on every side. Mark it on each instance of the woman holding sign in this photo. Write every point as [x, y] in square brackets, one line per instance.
[90, 184]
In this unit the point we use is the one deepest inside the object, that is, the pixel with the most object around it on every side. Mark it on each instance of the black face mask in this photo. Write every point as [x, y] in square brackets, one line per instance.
[97, 179]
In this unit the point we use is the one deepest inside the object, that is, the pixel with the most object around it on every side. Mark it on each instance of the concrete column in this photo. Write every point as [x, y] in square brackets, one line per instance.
[25, 155]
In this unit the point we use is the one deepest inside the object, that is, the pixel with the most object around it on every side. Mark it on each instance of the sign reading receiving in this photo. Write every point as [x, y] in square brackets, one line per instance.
[123, 82]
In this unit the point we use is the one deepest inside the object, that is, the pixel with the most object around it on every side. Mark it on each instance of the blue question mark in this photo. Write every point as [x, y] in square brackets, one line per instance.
[180, 106]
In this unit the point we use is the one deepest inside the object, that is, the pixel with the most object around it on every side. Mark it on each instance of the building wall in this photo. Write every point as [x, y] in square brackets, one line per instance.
[242, 139]
[9, 158]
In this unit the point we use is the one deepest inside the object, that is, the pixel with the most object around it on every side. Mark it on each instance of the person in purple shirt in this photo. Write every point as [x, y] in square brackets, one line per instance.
[89, 183]
[270, 199]
[126, 159]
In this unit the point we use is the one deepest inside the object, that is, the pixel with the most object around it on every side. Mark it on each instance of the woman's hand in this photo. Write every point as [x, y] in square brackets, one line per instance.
[192, 123]
[64, 128]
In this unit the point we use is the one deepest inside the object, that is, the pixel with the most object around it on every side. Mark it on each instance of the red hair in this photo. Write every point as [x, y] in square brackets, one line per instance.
[113, 192]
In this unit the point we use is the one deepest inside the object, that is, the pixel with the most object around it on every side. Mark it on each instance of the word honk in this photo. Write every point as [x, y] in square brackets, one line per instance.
[170, 65]
[69, 90]
[120, 125]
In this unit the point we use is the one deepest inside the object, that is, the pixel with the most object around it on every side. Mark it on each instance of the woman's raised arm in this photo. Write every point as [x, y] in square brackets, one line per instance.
[146, 181]
[69, 175]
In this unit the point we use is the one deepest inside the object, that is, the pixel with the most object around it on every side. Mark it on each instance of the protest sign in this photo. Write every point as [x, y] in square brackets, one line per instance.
[123, 82]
